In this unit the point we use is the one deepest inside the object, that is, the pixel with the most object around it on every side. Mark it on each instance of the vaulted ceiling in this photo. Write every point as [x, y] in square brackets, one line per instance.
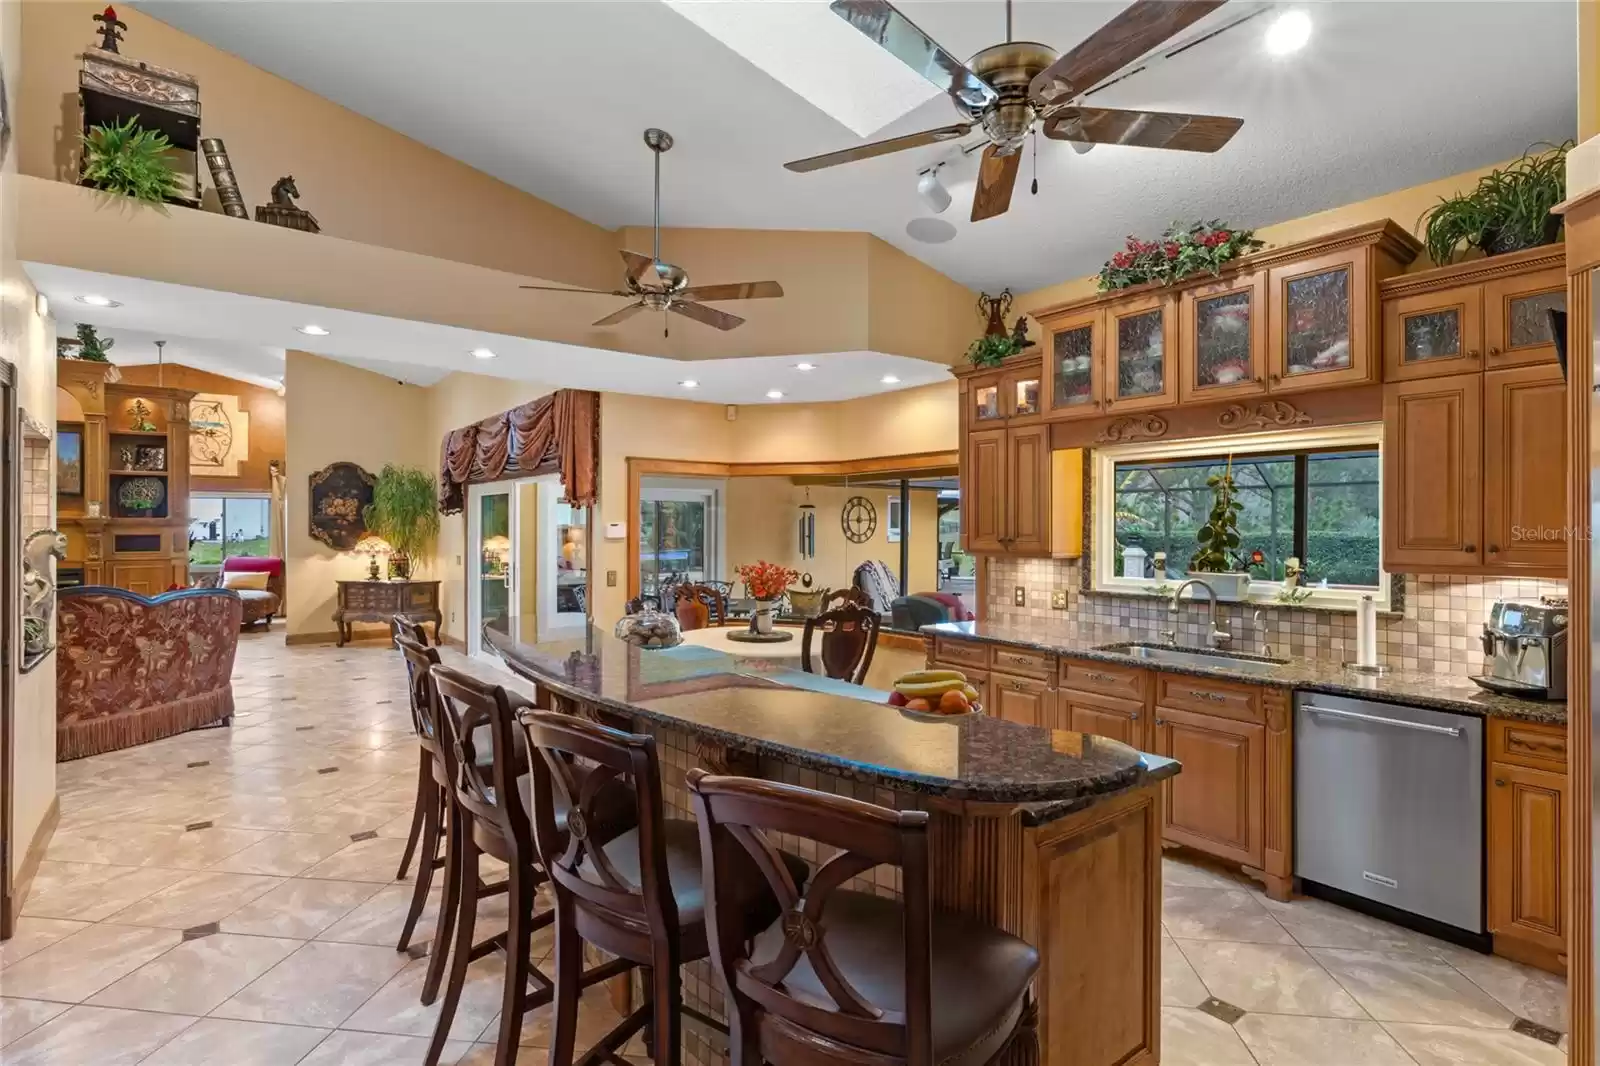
[551, 97]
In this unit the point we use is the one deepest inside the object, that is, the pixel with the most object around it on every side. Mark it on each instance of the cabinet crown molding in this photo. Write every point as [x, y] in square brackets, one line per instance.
[1529, 260]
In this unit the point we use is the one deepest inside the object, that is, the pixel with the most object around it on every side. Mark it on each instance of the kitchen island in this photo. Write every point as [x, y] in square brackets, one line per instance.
[1050, 834]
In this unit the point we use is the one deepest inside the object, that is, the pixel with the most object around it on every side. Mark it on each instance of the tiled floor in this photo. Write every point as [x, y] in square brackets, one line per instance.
[221, 898]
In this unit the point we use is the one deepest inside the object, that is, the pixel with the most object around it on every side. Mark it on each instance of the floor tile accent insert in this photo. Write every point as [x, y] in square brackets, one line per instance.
[192, 826]
[1222, 1010]
[195, 932]
[370, 834]
[1537, 1031]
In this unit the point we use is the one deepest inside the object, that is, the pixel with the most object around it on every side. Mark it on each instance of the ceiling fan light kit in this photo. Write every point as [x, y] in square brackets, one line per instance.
[655, 285]
[1009, 90]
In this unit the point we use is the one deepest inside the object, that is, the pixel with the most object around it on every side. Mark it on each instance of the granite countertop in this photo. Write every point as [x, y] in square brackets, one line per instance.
[828, 725]
[1445, 692]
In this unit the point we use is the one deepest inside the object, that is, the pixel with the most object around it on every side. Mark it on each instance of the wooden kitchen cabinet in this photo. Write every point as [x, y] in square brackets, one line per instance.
[1217, 803]
[1524, 470]
[1028, 490]
[1432, 466]
[1103, 716]
[1516, 328]
[1433, 334]
[1142, 367]
[1319, 327]
[1528, 857]
[983, 495]
[1074, 356]
[1222, 340]
[1024, 700]
[986, 400]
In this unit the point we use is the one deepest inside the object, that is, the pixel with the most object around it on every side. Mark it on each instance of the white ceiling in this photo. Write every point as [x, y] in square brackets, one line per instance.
[551, 96]
[246, 336]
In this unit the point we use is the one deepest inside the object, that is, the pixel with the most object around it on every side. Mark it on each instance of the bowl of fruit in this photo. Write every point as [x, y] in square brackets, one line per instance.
[944, 692]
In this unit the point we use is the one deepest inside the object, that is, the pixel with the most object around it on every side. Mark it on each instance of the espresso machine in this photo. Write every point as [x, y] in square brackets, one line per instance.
[1525, 649]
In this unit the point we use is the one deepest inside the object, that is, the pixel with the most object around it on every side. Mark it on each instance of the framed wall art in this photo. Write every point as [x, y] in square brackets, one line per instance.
[340, 492]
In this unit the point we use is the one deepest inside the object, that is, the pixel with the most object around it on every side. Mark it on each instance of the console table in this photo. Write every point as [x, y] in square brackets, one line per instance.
[380, 601]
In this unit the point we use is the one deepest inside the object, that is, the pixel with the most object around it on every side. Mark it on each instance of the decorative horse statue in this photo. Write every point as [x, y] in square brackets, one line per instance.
[284, 191]
[282, 210]
[39, 587]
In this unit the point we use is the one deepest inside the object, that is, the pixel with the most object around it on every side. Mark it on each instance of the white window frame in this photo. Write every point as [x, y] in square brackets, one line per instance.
[554, 624]
[203, 568]
[1262, 593]
[710, 491]
[894, 520]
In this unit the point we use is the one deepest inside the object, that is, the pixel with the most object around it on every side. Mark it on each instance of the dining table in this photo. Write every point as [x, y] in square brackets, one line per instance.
[717, 638]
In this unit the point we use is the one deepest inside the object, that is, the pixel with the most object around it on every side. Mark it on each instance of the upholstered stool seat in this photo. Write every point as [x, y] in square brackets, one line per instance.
[979, 974]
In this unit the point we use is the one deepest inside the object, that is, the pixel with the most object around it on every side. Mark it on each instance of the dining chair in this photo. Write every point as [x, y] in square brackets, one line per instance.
[849, 636]
[848, 976]
[699, 606]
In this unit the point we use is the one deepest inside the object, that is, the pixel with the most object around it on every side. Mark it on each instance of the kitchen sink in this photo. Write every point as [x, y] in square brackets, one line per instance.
[1166, 653]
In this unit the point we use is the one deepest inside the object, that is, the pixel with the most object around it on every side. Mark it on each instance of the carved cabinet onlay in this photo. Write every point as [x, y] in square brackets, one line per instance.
[1135, 427]
[1263, 415]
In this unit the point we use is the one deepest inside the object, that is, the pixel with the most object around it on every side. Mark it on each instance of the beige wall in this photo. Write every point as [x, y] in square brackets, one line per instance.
[27, 342]
[907, 422]
[338, 413]
[363, 181]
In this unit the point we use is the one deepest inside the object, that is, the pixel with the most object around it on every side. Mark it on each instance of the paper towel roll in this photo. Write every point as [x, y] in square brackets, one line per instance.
[1367, 632]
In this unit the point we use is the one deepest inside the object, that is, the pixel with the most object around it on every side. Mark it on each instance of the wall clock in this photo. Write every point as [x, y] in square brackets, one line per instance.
[859, 520]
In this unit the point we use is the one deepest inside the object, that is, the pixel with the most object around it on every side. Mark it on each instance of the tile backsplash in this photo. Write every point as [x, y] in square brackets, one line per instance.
[1436, 629]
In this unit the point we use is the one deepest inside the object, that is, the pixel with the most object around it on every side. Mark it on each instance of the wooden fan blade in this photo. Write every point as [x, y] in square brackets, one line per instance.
[1136, 29]
[1143, 129]
[876, 148]
[901, 38]
[737, 290]
[997, 174]
[588, 292]
[617, 316]
[637, 264]
[709, 315]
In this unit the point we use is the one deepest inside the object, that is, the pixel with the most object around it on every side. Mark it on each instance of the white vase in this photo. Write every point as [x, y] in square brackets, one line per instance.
[1229, 587]
[761, 621]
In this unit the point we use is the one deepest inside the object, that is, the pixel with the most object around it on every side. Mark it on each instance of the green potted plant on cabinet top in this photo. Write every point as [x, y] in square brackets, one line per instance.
[126, 159]
[405, 513]
[1508, 210]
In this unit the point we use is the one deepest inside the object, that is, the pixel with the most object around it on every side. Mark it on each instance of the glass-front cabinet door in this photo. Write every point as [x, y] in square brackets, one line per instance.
[1073, 356]
[1022, 393]
[1433, 333]
[987, 399]
[1317, 331]
[1223, 339]
[1516, 315]
[1144, 353]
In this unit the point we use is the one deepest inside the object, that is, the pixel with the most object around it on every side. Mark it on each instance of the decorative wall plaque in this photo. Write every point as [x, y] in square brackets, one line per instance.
[1134, 427]
[219, 435]
[340, 492]
[1262, 415]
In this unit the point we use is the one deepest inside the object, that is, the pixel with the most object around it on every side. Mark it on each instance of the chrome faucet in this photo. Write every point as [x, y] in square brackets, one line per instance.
[1217, 638]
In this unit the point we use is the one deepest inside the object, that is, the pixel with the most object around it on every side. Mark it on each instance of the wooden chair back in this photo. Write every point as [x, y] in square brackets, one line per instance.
[420, 663]
[849, 638]
[462, 705]
[699, 606]
[575, 860]
[739, 814]
[845, 597]
[401, 626]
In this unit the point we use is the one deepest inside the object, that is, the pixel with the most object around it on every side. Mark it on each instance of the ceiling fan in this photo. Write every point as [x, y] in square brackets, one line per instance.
[658, 286]
[1006, 88]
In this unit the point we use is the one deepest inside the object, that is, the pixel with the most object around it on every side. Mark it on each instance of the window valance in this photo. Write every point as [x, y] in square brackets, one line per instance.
[555, 433]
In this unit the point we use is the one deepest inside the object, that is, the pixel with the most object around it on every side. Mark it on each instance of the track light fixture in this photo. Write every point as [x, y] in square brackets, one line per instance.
[932, 191]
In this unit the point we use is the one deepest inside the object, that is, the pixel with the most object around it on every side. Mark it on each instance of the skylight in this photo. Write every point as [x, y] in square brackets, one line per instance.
[817, 55]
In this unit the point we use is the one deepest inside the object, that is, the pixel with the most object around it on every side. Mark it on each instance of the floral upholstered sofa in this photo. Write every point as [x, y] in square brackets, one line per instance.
[130, 669]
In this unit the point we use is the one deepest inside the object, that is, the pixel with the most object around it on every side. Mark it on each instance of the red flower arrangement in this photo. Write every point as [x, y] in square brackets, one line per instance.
[1179, 253]
[766, 581]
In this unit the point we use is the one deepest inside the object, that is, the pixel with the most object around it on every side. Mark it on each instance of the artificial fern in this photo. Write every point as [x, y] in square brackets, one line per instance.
[127, 159]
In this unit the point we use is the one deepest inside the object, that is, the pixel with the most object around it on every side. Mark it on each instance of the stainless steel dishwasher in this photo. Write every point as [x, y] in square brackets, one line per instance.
[1389, 806]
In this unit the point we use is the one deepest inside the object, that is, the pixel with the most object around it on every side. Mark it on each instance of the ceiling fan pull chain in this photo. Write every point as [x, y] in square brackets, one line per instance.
[1035, 189]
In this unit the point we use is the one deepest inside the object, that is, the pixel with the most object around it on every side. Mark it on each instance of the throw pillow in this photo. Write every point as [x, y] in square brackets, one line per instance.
[239, 580]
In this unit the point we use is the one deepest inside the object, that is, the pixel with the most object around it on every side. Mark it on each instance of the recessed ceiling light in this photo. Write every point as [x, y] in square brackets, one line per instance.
[774, 394]
[312, 331]
[482, 353]
[1289, 32]
[691, 383]
[890, 379]
[98, 301]
[805, 366]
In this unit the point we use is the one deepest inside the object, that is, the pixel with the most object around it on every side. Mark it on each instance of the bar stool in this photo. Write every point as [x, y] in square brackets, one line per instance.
[489, 815]
[637, 896]
[845, 976]
[428, 810]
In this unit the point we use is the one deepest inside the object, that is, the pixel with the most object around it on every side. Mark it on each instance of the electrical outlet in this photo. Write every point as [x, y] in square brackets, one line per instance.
[611, 579]
[1058, 599]
[1019, 596]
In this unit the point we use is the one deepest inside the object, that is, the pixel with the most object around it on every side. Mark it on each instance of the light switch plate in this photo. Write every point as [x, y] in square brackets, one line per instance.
[611, 579]
[1019, 596]
[1058, 599]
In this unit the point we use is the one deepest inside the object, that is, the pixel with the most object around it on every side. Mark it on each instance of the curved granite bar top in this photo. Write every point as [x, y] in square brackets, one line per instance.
[1444, 692]
[829, 725]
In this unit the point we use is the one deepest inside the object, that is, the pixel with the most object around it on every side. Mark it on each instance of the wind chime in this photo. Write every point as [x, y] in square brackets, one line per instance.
[808, 528]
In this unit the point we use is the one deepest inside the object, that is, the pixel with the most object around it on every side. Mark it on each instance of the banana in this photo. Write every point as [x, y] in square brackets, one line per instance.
[919, 677]
[930, 684]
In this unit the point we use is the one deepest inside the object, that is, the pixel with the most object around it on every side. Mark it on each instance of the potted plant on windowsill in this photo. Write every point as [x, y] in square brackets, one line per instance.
[1217, 562]
[404, 512]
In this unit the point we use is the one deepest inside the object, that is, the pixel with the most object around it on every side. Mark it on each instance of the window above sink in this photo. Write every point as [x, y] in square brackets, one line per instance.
[1310, 495]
